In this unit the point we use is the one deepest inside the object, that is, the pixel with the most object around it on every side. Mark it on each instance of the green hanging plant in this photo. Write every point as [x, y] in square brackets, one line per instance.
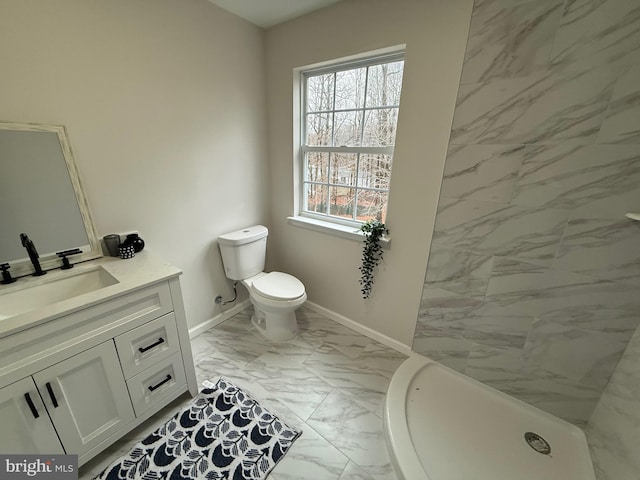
[373, 231]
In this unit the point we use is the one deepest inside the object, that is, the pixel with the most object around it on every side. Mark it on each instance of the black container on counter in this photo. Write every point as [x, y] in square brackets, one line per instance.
[133, 239]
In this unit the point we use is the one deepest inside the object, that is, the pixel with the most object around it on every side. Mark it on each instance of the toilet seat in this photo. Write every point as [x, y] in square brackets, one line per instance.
[278, 286]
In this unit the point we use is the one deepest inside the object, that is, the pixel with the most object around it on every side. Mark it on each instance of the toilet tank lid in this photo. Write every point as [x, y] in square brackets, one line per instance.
[278, 286]
[246, 235]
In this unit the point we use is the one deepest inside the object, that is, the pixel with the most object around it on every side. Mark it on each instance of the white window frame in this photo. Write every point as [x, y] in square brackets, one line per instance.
[323, 222]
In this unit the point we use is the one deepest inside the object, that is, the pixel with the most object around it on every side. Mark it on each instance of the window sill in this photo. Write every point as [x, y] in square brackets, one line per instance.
[343, 231]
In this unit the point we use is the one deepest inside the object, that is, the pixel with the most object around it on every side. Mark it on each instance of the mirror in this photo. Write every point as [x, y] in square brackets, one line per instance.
[41, 195]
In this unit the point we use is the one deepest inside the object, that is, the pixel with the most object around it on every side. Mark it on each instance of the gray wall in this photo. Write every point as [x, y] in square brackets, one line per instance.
[434, 33]
[164, 103]
[533, 275]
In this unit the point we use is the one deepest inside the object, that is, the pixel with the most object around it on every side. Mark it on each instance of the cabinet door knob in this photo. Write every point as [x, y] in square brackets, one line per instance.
[54, 400]
[144, 349]
[32, 407]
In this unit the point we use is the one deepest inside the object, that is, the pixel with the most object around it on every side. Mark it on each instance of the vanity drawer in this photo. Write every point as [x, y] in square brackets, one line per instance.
[152, 385]
[144, 346]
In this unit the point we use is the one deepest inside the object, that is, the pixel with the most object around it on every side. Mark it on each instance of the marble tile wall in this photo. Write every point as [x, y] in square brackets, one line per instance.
[614, 428]
[532, 281]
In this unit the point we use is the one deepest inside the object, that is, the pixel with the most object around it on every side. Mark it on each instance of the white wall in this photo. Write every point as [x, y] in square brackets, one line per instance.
[164, 101]
[435, 33]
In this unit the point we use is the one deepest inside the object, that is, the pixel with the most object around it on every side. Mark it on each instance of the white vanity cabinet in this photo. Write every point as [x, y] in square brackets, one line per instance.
[86, 397]
[25, 423]
[80, 402]
[76, 380]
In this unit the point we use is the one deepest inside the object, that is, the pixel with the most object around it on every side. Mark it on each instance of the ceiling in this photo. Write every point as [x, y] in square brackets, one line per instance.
[267, 13]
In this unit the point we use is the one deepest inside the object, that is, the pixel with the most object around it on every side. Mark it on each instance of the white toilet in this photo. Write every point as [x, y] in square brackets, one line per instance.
[275, 296]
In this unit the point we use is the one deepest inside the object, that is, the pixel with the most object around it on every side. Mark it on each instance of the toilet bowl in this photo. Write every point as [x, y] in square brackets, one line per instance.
[275, 296]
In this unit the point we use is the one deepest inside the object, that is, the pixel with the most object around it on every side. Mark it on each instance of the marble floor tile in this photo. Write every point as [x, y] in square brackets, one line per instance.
[353, 429]
[236, 328]
[353, 472]
[379, 472]
[285, 356]
[340, 338]
[244, 349]
[353, 377]
[210, 368]
[311, 457]
[382, 359]
[199, 345]
[328, 379]
[301, 390]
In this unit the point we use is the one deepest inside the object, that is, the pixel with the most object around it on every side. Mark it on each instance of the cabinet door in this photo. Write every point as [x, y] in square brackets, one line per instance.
[24, 420]
[91, 397]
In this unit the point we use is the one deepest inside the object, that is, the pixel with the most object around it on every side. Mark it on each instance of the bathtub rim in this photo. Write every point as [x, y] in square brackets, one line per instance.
[404, 459]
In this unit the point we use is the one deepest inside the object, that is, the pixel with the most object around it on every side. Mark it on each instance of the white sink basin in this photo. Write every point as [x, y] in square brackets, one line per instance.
[66, 286]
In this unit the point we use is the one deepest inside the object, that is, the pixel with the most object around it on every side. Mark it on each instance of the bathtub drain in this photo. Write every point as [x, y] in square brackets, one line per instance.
[538, 443]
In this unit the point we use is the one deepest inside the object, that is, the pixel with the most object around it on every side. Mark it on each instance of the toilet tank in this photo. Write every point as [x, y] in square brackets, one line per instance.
[243, 252]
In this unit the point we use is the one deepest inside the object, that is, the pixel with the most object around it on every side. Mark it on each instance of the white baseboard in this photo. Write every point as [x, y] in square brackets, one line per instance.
[368, 332]
[341, 319]
[218, 319]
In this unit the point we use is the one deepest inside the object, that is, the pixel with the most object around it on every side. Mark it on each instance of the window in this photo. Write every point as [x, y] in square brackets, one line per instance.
[349, 121]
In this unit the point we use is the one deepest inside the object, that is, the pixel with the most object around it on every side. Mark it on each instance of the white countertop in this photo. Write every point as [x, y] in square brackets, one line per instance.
[138, 272]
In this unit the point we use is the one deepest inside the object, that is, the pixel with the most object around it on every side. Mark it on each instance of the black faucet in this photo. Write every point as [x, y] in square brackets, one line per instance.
[33, 254]
[6, 276]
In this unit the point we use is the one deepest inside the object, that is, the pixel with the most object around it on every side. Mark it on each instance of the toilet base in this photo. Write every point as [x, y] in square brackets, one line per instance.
[278, 327]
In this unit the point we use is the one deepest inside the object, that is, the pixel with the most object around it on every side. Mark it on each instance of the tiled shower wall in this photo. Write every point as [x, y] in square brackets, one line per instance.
[533, 281]
[614, 428]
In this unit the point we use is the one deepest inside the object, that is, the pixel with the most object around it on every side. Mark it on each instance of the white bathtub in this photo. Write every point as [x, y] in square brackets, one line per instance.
[442, 425]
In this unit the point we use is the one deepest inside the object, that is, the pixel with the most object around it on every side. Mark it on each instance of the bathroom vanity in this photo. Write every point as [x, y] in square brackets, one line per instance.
[88, 354]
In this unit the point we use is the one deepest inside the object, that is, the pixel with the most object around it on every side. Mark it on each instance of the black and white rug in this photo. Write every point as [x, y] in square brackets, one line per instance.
[222, 433]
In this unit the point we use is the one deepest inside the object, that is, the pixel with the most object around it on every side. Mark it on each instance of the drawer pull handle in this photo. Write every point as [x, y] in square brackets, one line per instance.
[144, 349]
[153, 387]
[32, 407]
[54, 400]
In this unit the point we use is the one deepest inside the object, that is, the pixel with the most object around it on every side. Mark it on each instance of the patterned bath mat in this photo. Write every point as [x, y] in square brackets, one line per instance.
[222, 433]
